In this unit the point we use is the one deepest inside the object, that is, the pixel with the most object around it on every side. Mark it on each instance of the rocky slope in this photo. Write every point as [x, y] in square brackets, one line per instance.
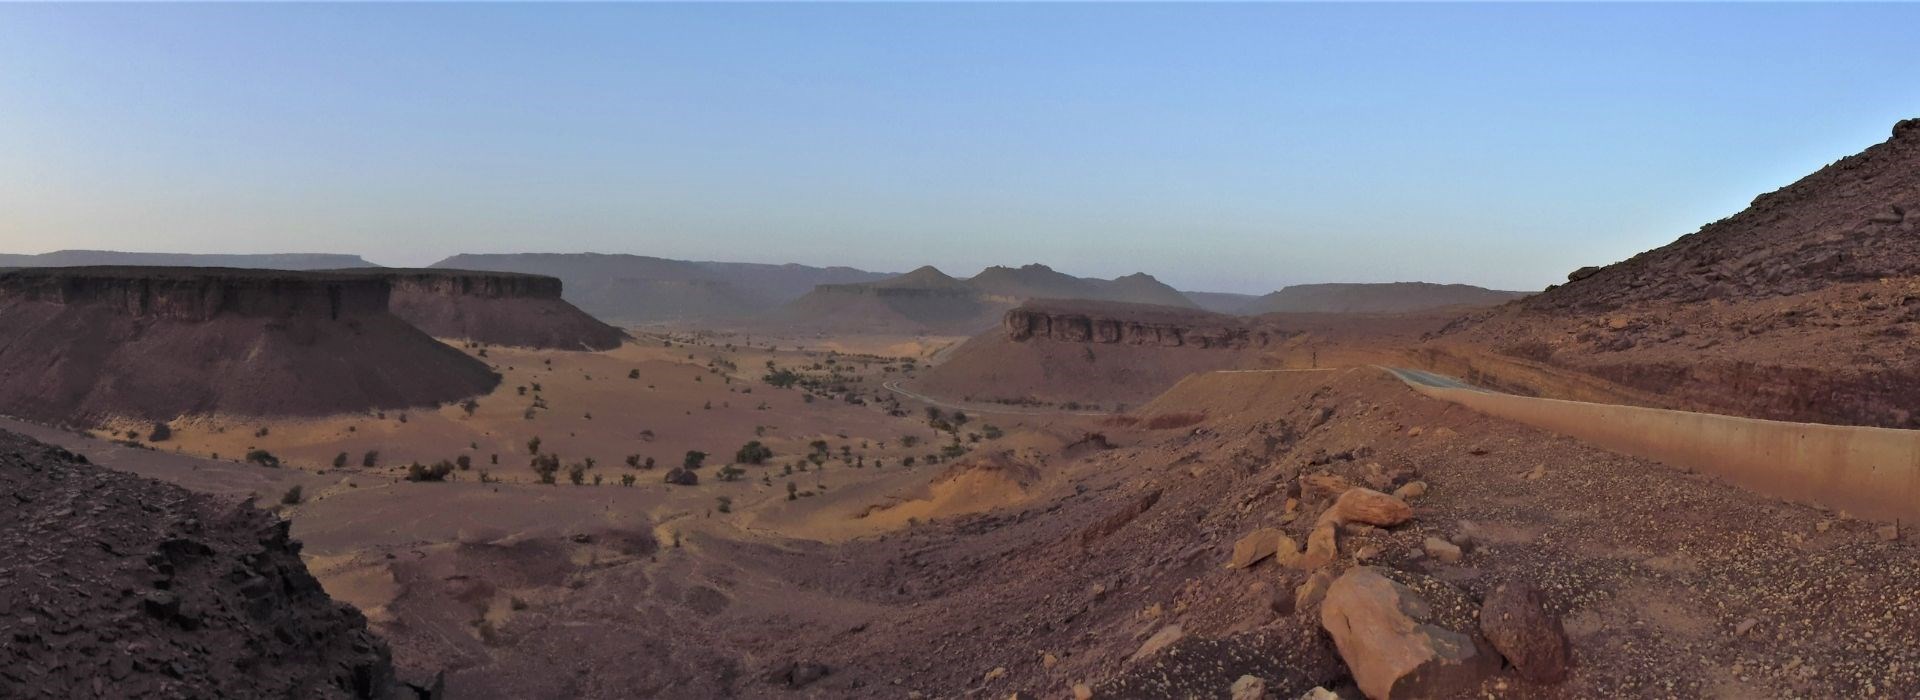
[1802, 307]
[495, 308]
[119, 586]
[81, 345]
[266, 261]
[1389, 297]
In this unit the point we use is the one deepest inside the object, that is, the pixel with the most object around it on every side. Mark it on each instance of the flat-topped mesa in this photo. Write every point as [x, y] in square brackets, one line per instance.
[85, 346]
[495, 308]
[1137, 324]
[468, 283]
[198, 293]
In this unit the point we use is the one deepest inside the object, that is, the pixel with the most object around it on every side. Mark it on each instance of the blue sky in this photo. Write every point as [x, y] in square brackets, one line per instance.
[1219, 147]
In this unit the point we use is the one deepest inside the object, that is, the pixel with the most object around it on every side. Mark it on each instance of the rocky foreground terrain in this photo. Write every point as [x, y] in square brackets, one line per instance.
[118, 586]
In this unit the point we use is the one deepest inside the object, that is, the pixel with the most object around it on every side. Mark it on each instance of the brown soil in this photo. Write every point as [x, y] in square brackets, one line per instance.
[928, 579]
[119, 586]
[84, 345]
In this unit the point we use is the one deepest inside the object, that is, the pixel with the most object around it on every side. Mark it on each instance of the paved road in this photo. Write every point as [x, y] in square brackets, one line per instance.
[1415, 376]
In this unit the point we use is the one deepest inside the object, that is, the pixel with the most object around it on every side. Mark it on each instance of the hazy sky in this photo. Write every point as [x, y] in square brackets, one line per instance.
[1219, 147]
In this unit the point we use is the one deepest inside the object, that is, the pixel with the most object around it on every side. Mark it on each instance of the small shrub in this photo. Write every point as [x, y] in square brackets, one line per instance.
[161, 433]
[370, 459]
[723, 504]
[626, 479]
[292, 497]
[340, 461]
[693, 460]
[464, 462]
[263, 458]
[437, 472]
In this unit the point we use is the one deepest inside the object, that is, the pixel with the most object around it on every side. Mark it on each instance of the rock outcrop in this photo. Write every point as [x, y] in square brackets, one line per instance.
[82, 345]
[1400, 645]
[1132, 324]
[495, 308]
[119, 586]
[1515, 619]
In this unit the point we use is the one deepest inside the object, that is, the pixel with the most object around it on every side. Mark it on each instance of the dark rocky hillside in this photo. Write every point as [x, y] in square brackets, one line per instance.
[119, 586]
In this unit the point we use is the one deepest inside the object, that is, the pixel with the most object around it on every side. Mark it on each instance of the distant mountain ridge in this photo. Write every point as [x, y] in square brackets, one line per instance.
[928, 300]
[115, 258]
[1379, 298]
[625, 288]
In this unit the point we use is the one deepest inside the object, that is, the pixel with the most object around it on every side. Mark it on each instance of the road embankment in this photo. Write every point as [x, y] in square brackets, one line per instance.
[1870, 472]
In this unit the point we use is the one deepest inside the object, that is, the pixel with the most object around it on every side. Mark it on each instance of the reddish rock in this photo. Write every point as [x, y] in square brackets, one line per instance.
[1515, 620]
[1387, 635]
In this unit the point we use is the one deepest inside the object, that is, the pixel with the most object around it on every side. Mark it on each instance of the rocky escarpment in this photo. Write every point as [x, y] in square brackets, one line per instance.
[198, 294]
[119, 586]
[79, 346]
[1137, 325]
[1098, 354]
[1803, 307]
[495, 308]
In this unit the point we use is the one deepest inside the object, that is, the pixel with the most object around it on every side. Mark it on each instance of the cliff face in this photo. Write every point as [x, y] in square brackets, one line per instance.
[149, 590]
[495, 308]
[483, 285]
[1164, 329]
[80, 345]
[198, 294]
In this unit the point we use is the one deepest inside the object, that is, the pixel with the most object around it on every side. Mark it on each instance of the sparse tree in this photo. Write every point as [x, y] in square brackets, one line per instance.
[753, 453]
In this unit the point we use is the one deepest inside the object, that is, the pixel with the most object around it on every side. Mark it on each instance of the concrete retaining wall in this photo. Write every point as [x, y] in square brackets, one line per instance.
[1872, 472]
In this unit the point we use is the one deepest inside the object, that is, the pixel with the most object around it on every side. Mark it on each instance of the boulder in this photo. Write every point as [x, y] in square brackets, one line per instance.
[1514, 618]
[1442, 551]
[1388, 637]
[1314, 486]
[1160, 640]
[1313, 591]
[1411, 491]
[1360, 505]
[1248, 688]
[1255, 547]
[1322, 549]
